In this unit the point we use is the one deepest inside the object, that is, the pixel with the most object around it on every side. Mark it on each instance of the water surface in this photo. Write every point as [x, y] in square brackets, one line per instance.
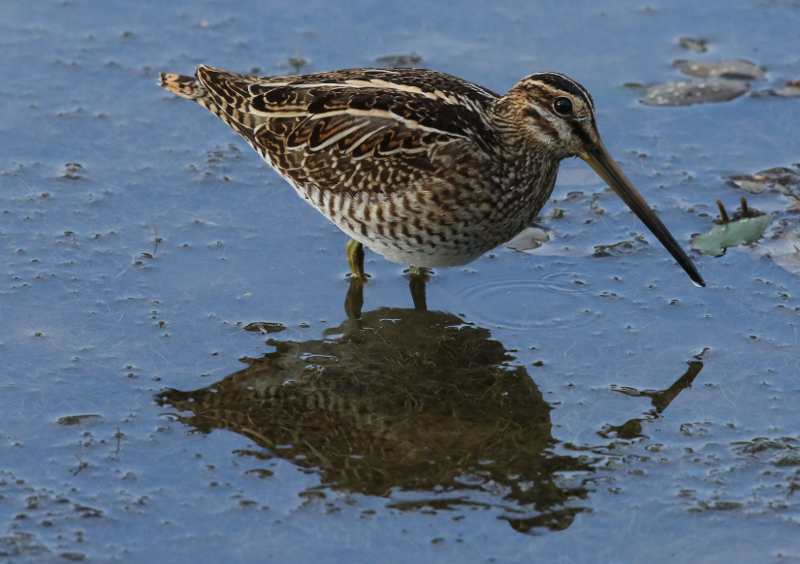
[567, 403]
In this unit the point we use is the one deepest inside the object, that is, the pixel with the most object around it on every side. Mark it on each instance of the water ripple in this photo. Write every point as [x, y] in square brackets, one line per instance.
[558, 300]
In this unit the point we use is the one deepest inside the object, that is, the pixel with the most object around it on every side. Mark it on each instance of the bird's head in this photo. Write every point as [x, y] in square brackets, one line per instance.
[555, 117]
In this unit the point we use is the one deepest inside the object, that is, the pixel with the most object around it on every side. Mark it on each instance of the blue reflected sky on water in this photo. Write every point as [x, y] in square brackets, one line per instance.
[93, 327]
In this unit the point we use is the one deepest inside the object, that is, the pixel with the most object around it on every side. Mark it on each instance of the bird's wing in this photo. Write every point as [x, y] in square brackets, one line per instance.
[387, 123]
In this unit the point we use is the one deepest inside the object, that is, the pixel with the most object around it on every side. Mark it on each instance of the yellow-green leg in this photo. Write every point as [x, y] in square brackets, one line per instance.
[355, 258]
[419, 272]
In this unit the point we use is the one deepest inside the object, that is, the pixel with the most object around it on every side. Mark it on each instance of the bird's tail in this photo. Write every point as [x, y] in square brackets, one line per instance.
[223, 93]
[186, 86]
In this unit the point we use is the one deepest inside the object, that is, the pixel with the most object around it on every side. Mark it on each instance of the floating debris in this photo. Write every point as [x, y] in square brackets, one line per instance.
[231, 153]
[399, 60]
[766, 449]
[528, 239]
[264, 327]
[70, 420]
[731, 68]
[686, 93]
[72, 171]
[749, 184]
[779, 179]
[157, 241]
[727, 233]
[791, 90]
[696, 45]
[783, 248]
[621, 247]
[787, 92]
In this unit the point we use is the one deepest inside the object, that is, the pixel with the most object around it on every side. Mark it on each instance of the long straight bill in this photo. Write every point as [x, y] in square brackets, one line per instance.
[598, 158]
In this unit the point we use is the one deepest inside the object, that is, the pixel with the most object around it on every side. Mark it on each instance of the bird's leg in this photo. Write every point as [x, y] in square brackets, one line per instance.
[417, 286]
[420, 272]
[354, 300]
[355, 258]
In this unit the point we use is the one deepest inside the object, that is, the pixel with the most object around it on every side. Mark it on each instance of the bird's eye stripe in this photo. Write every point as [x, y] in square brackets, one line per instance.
[532, 112]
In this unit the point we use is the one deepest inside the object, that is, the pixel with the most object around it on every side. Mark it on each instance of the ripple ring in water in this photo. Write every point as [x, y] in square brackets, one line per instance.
[554, 300]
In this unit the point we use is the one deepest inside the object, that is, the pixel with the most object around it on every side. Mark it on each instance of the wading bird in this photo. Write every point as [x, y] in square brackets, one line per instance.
[424, 168]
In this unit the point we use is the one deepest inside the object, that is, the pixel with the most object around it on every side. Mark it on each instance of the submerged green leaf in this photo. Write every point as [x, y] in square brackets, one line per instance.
[731, 234]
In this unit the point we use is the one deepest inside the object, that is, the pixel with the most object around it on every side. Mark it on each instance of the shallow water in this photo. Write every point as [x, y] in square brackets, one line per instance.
[575, 405]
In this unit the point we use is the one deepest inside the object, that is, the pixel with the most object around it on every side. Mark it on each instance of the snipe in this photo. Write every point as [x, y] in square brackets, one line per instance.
[424, 168]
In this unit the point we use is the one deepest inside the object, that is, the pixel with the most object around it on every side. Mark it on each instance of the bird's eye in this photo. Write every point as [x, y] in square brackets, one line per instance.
[563, 106]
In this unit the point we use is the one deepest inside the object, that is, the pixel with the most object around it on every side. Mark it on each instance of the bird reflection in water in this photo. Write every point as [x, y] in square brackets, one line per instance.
[402, 400]
[660, 400]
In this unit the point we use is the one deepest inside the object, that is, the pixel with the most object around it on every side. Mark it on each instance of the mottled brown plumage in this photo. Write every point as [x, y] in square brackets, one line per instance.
[424, 168]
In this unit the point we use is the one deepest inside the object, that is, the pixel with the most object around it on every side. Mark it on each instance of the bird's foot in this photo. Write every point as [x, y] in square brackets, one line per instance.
[420, 273]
